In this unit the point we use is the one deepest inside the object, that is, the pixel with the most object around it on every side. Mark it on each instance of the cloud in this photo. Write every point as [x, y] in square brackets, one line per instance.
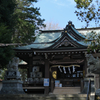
[64, 3]
[72, 2]
[59, 2]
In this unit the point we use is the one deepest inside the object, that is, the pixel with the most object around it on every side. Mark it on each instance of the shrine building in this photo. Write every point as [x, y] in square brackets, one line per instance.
[55, 59]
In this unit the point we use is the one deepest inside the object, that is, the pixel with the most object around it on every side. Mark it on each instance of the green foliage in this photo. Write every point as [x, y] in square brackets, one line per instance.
[83, 3]
[6, 12]
[6, 30]
[18, 21]
[88, 10]
[23, 73]
[28, 20]
[95, 41]
[2, 73]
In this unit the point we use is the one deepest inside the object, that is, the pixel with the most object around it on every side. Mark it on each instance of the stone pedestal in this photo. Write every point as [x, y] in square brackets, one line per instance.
[12, 87]
[98, 90]
[86, 80]
[12, 83]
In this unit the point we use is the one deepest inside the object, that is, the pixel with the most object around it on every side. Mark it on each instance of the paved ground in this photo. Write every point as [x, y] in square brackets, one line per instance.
[66, 90]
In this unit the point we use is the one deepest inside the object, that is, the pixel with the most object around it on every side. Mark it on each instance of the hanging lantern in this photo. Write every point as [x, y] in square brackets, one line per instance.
[54, 74]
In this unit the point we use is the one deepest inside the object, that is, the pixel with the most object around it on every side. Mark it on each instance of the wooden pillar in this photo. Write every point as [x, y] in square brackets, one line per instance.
[52, 85]
[46, 75]
[85, 67]
[30, 65]
[28, 75]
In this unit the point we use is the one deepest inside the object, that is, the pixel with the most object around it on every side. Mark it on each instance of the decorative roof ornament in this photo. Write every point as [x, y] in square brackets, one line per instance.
[68, 26]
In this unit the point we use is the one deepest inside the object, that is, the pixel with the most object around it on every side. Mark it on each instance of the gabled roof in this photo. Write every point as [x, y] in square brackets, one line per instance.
[67, 38]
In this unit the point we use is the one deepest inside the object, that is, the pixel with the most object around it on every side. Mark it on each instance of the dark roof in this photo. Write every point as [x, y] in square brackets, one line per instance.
[69, 37]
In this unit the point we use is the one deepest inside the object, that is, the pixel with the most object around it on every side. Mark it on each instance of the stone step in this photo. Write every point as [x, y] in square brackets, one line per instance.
[44, 97]
[66, 90]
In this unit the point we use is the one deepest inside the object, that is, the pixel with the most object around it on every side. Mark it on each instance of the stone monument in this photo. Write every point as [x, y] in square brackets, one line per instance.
[93, 63]
[94, 67]
[12, 83]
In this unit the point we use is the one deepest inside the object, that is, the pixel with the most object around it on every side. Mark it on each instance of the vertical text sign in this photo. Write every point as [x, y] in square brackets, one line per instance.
[46, 81]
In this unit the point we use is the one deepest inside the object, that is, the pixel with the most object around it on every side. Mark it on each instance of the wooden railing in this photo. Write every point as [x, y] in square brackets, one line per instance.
[89, 89]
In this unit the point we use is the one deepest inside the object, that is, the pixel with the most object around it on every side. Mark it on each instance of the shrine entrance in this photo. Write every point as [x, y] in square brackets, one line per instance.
[62, 52]
[67, 75]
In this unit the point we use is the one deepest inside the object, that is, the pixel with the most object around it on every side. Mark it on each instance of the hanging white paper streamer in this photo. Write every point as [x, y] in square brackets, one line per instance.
[73, 69]
[59, 68]
[69, 70]
[64, 70]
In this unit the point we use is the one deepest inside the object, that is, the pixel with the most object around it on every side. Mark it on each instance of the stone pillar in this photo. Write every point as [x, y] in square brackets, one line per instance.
[96, 81]
[98, 90]
[46, 75]
[86, 80]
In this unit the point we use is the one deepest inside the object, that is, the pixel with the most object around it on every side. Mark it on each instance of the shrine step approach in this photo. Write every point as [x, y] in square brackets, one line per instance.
[66, 90]
[44, 97]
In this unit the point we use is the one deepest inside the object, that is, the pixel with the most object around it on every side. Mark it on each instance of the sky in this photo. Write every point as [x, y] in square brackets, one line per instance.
[59, 12]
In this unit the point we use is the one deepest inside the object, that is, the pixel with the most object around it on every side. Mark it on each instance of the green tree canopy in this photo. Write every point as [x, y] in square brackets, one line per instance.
[88, 10]
[6, 29]
[28, 20]
[18, 21]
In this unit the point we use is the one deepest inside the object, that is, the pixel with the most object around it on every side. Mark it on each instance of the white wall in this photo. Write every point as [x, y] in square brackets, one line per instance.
[85, 31]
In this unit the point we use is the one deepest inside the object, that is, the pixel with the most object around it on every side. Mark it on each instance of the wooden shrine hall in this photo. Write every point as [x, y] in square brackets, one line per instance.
[55, 59]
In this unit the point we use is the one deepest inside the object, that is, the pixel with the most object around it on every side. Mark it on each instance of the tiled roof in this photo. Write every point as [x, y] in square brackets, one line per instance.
[47, 39]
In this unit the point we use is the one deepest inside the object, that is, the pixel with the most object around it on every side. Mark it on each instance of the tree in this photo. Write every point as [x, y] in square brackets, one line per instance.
[2, 73]
[18, 21]
[88, 10]
[6, 29]
[6, 52]
[6, 13]
[28, 20]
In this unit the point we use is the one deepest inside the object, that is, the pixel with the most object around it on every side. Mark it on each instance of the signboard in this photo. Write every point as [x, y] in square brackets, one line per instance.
[46, 81]
[57, 82]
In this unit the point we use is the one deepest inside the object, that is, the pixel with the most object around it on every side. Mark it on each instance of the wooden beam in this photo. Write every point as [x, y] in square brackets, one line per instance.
[33, 87]
[23, 66]
[67, 62]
